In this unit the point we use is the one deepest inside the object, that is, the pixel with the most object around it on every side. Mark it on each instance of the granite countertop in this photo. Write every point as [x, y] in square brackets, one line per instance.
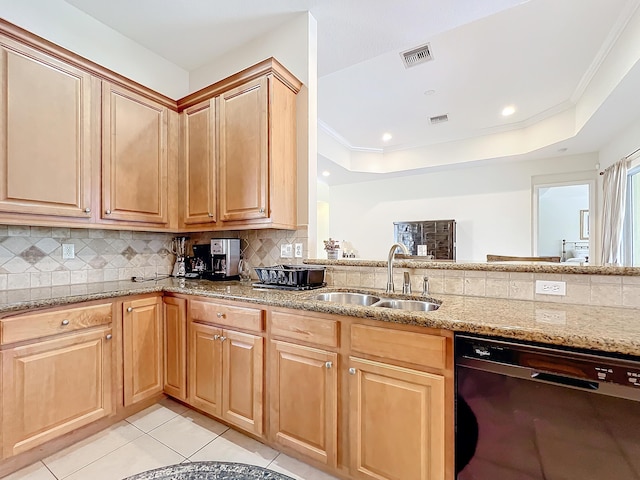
[533, 267]
[609, 329]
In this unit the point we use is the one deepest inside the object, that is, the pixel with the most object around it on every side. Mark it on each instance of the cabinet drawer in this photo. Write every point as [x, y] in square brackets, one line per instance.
[418, 348]
[43, 324]
[306, 329]
[238, 317]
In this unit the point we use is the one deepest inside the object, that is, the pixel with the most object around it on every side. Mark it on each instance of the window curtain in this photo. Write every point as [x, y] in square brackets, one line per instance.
[615, 196]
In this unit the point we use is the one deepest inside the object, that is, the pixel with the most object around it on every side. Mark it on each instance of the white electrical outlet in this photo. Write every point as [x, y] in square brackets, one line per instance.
[68, 251]
[297, 250]
[286, 250]
[547, 287]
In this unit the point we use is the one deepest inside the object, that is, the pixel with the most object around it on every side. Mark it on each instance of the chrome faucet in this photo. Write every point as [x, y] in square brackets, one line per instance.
[425, 286]
[392, 256]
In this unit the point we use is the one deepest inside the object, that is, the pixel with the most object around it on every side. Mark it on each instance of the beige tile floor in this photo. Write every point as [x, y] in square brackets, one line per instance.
[164, 434]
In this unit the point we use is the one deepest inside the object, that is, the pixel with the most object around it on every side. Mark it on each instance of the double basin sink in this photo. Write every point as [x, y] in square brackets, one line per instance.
[368, 300]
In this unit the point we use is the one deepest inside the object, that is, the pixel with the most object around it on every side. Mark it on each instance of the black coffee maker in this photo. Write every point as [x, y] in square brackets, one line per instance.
[217, 260]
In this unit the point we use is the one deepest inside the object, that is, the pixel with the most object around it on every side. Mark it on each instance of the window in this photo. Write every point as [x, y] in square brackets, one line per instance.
[632, 219]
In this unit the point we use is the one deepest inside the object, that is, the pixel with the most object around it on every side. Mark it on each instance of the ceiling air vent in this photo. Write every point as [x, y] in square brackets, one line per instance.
[439, 119]
[416, 56]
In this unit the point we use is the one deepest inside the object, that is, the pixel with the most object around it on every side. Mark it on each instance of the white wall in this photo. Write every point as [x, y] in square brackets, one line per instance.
[559, 216]
[491, 204]
[65, 25]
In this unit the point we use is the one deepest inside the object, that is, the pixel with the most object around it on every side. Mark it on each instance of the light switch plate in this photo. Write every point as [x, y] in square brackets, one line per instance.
[286, 250]
[68, 251]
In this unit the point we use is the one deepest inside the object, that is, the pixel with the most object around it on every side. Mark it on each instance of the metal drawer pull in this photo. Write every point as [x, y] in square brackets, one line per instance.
[130, 309]
[222, 339]
[352, 371]
[328, 364]
[109, 336]
[65, 322]
[221, 315]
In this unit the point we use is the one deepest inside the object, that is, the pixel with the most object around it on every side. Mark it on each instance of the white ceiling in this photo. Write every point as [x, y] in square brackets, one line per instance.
[538, 55]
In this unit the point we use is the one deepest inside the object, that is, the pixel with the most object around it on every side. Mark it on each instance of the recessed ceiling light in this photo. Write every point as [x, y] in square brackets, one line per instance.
[509, 110]
[386, 137]
[326, 173]
[429, 92]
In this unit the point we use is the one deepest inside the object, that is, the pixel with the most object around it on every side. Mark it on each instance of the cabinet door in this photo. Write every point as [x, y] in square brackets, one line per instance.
[303, 399]
[242, 380]
[134, 157]
[53, 387]
[205, 368]
[244, 189]
[175, 347]
[199, 165]
[396, 421]
[46, 121]
[142, 347]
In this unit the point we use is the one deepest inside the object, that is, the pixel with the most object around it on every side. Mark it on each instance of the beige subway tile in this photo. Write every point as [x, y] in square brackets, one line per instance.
[631, 295]
[573, 278]
[497, 288]
[367, 279]
[95, 275]
[60, 277]
[540, 297]
[631, 280]
[453, 285]
[475, 286]
[41, 232]
[3, 281]
[617, 279]
[41, 279]
[78, 276]
[578, 293]
[521, 289]
[353, 279]
[520, 276]
[18, 280]
[496, 275]
[475, 274]
[550, 277]
[606, 294]
[453, 273]
[18, 231]
[340, 278]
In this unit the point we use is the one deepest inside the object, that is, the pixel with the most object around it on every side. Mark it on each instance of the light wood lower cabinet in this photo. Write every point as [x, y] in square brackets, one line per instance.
[226, 375]
[396, 422]
[304, 400]
[53, 387]
[142, 349]
[175, 347]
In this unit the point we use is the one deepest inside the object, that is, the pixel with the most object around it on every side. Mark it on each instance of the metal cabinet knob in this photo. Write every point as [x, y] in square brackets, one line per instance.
[109, 336]
[216, 337]
[130, 309]
[262, 210]
[328, 364]
[221, 315]
[108, 212]
[65, 322]
[352, 371]
[210, 215]
[222, 339]
[87, 210]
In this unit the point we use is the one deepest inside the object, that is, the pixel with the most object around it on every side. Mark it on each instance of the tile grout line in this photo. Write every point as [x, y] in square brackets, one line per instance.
[208, 443]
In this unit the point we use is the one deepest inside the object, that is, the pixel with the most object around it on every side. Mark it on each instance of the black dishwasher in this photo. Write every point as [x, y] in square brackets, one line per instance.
[528, 412]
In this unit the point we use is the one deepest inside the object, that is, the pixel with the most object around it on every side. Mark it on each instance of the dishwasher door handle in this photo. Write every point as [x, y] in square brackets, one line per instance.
[565, 381]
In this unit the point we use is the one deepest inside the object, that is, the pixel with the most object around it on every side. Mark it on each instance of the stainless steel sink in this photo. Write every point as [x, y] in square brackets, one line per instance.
[348, 298]
[413, 305]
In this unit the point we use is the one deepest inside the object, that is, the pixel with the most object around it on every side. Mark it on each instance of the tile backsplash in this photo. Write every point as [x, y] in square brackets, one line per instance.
[32, 256]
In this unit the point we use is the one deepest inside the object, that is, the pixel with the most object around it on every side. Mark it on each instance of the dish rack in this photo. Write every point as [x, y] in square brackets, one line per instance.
[298, 277]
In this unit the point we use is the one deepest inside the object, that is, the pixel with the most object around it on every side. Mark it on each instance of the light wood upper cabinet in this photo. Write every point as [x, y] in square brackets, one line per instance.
[134, 157]
[48, 113]
[303, 400]
[142, 349]
[198, 167]
[408, 444]
[257, 154]
[244, 166]
[53, 387]
[175, 347]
